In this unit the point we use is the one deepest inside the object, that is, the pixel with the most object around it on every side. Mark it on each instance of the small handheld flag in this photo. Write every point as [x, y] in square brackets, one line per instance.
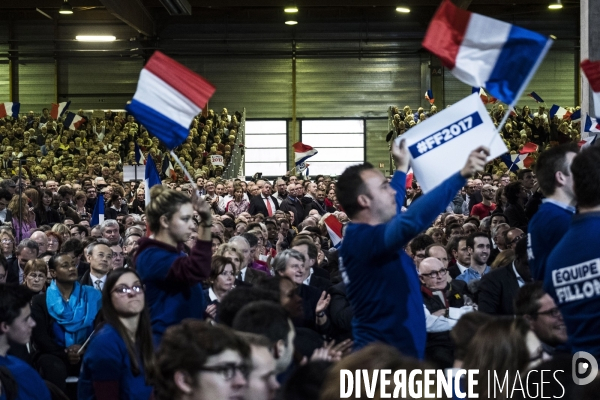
[139, 156]
[167, 168]
[73, 121]
[576, 116]
[9, 110]
[514, 162]
[98, 214]
[484, 52]
[151, 178]
[591, 69]
[59, 109]
[429, 96]
[591, 124]
[529, 148]
[560, 112]
[302, 152]
[535, 96]
[168, 97]
[334, 228]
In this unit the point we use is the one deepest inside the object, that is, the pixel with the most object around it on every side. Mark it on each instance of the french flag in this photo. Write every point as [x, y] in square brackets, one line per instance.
[591, 124]
[484, 52]
[334, 228]
[168, 97]
[98, 213]
[303, 152]
[429, 96]
[529, 148]
[536, 97]
[485, 98]
[9, 110]
[59, 109]
[73, 121]
[167, 168]
[514, 162]
[576, 116]
[409, 178]
[151, 178]
[139, 156]
[560, 112]
[591, 69]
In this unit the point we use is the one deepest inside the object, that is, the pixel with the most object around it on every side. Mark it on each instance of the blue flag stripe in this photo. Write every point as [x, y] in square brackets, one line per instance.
[165, 129]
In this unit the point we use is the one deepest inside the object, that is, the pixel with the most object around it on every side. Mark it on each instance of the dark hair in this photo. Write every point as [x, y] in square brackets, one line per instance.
[264, 318]
[81, 229]
[217, 266]
[499, 214]
[420, 243]
[527, 299]
[165, 202]
[453, 244]
[228, 223]
[13, 299]
[586, 177]
[52, 261]
[472, 236]
[512, 191]
[473, 220]
[452, 226]
[465, 329]
[237, 298]
[186, 347]
[349, 186]
[551, 161]
[306, 381]
[252, 239]
[72, 245]
[5, 194]
[487, 174]
[521, 173]
[311, 247]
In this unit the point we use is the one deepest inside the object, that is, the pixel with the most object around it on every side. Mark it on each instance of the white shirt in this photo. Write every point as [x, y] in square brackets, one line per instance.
[102, 281]
[3, 215]
[437, 324]
[270, 200]
[307, 280]
[243, 273]
[520, 279]
[211, 295]
[461, 268]
[279, 198]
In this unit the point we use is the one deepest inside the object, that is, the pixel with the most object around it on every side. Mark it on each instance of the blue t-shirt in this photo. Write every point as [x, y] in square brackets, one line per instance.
[381, 279]
[30, 384]
[573, 280]
[546, 228]
[107, 359]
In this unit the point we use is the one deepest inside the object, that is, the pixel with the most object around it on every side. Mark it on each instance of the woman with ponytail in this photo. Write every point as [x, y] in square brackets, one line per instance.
[172, 278]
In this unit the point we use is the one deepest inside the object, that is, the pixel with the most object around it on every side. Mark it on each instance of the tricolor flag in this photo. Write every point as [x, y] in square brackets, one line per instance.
[167, 168]
[59, 109]
[429, 96]
[514, 162]
[535, 96]
[409, 178]
[334, 228]
[587, 142]
[73, 121]
[560, 112]
[529, 148]
[484, 52]
[168, 97]
[576, 116]
[484, 96]
[98, 214]
[151, 178]
[591, 124]
[139, 156]
[9, 109]
[303, 152]
[591, 69]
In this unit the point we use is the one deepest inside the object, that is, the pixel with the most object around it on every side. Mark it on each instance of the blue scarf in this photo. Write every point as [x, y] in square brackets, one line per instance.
[77, 315]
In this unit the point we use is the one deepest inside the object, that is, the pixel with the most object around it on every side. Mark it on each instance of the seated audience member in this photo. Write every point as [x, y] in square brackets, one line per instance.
[498, 240]
[117, 258]
[340, 312]
[109, 229]
[221, 281]
[41, 239]
[172, 278]
[499, 288]
[35, 274]
[454, 229]
[26, 250]
[479, 248]
[99, 256]
[418, 246]
[313, 275]
[7, 244]
[290, 263]
[469, 228]
[246, 274]
[516, 196]
[439, 296]
[307, 381]
[65, 317]
[512, 236]
[75, 249]
[437, 251]
[458, 250]
[463, 332]
[437, 234]
[54, 242]
[270, 320]
[200, 361]
[16, 323]
[544, 318]
[130, 246]
[262, 382]
[120, 351]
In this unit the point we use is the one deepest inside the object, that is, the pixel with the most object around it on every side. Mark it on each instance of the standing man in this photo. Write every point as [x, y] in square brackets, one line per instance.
[382, 283]
[486, 207]
[572, 270]
[479, 246]
[553, 218]
[281, 190]
[293, 204]
[264, 203]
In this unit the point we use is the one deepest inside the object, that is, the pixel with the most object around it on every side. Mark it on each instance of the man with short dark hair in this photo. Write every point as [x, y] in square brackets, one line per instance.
[418, 246]
[382, 283]
[16, 325]
[479, 247]
[99, 256]
[5, 213]
[572, 271]
[457, 248]
[26, 250]
[525, 176]
[264, 203]
[553, 218]
[516, 196]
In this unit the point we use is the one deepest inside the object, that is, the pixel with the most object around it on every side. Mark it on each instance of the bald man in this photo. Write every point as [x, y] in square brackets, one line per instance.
[41, 239]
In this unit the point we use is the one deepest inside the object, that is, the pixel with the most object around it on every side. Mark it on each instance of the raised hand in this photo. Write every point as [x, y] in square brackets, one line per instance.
[476, 161]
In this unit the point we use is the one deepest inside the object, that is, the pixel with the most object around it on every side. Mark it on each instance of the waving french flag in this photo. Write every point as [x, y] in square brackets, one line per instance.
[9, 110]
[59, 109]
[303, 152]
[560, 112]
[73, 121]
[168, 97]
[591, 124]
[484, 52]
[591, 69]
[334, 228]
[139, 156]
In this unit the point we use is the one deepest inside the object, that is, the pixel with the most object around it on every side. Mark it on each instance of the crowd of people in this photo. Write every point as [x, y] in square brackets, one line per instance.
[234, 289]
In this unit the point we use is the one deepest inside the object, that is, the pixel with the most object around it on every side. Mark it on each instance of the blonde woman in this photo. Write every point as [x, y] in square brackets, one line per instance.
[23, 217]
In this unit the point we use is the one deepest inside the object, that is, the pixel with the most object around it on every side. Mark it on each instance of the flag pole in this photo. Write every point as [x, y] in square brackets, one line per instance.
[185, 171]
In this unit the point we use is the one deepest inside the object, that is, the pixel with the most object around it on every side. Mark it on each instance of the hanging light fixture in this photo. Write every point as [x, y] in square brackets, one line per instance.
[65, 8]
[557, 5]
[291, 22]
[290, 9]
[401, 9]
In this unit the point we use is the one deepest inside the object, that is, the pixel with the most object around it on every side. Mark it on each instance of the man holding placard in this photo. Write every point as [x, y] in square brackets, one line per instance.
[381, 279]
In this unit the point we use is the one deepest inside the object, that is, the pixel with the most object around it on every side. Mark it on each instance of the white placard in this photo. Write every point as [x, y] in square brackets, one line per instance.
[440, 145]
[216, 160]
[129, 173]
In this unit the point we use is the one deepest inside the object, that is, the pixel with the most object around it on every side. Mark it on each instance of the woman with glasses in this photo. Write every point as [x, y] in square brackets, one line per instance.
[120, 352]
[35, 273]
[200, 361]
[7, 244]
[221, 280]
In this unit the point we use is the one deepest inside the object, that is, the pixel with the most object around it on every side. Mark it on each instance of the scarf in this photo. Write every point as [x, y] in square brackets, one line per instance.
[77, 315]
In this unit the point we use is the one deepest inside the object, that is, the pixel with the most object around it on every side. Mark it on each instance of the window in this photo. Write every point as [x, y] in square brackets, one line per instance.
[340, 143]
[266, 147]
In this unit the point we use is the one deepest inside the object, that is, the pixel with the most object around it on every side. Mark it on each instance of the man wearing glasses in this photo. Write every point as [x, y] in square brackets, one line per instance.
[512, 236]
[486, 207]
[438, 296]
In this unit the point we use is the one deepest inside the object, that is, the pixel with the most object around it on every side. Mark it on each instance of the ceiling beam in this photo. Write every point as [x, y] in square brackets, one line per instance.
[133, 13]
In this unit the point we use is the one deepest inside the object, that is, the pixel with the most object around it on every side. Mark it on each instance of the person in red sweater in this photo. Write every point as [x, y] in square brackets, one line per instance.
[486, 207]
